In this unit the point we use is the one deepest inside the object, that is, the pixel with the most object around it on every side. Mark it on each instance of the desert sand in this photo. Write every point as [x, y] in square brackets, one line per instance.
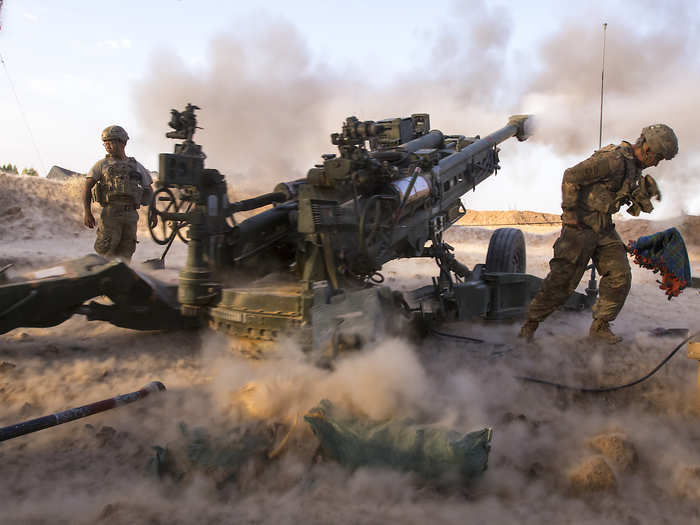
[627, 457]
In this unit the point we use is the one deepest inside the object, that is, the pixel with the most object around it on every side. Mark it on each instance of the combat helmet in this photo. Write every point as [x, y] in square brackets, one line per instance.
[661, 140]
[114, 133]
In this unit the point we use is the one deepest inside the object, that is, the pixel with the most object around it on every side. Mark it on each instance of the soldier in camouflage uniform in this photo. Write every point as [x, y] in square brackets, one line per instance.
[120, 185]
[591, 192]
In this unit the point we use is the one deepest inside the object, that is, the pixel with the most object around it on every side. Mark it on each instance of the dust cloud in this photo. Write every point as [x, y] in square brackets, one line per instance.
[627, 457]
[96, 470]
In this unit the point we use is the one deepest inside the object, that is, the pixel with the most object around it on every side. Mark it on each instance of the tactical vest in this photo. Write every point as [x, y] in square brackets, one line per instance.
[121, 182]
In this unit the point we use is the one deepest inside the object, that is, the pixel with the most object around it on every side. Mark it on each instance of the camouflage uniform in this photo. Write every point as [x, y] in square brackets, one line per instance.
[591, 192]
[121, 187]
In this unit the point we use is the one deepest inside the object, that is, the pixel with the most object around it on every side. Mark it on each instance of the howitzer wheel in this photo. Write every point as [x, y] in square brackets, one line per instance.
[506, 251]
[180, 226]
[163, 201]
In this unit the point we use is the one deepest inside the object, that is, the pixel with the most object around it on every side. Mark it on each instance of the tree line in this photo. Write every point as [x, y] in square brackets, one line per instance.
[11, 168]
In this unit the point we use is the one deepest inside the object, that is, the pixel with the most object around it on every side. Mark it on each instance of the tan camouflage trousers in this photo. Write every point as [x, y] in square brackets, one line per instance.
[116, 233]
[572, 250]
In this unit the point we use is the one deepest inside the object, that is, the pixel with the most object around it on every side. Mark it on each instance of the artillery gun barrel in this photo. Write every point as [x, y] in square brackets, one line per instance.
[430, 140]
[257, 202]
[40, 423]
[516, 127]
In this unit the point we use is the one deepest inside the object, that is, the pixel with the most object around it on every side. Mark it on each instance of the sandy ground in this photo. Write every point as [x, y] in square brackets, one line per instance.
[629, 457]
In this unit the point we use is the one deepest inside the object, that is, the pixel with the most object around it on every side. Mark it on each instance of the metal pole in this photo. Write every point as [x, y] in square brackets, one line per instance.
[40, 423]
[592, 290]
[602, 83]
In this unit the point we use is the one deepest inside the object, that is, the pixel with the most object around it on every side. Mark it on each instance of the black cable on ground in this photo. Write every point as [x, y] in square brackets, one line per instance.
[610, 388]
[474, 340]
[459, 337]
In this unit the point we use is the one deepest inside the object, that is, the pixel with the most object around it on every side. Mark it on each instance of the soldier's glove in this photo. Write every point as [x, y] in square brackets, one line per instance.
[651, 187]
[641, 196]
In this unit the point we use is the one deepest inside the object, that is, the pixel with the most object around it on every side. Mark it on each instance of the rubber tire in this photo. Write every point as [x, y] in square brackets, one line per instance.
[506, 251]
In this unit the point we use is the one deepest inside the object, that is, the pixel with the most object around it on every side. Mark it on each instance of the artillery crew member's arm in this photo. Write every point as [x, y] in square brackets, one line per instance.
[147, 183]
[147, 192]
[91, 179]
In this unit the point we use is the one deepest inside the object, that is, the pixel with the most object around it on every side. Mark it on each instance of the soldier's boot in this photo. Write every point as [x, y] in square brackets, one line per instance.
[600, 329]
[527, 331]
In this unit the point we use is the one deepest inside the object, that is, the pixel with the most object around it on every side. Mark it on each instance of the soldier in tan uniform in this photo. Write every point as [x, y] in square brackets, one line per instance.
[120, 185]
[591, 192]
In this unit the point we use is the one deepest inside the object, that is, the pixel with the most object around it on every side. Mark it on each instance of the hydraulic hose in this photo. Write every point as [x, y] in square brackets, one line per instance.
[601, 390]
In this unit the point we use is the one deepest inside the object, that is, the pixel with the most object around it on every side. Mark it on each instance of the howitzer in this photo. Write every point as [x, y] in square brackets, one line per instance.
[59, 418]
[390, 192]
[361, 208]
[308, 262]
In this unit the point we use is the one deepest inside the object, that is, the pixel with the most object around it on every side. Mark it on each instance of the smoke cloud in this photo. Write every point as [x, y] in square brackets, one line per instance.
[262, 101]
[268, 109]
[651, 76]
[268, 106]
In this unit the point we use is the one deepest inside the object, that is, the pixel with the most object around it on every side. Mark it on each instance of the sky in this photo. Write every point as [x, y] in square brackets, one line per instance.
[275, 79]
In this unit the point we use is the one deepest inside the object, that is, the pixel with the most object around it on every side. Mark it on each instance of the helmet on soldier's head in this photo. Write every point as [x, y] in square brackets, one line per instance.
[114, 133]
[661, 140]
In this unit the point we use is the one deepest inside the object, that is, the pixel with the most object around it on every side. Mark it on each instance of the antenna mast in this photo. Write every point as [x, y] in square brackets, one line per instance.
[602, 83]
[592, 289]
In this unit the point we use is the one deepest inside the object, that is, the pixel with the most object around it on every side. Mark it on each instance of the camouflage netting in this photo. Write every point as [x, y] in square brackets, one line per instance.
[430, 452]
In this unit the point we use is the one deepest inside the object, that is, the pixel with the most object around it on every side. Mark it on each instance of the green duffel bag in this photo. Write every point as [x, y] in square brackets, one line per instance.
[403, 445]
